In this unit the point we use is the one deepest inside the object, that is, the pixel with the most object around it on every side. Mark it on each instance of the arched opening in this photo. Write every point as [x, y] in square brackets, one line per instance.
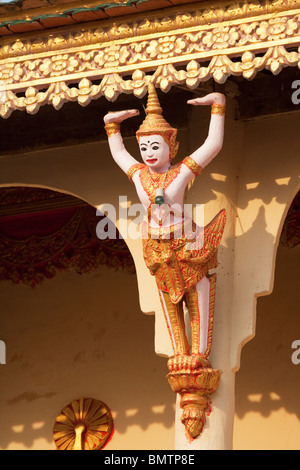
[43, 232]
[67, 330]
[268, 382]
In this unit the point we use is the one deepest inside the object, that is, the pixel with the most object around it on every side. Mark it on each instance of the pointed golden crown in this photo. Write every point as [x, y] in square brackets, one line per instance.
[155, 123]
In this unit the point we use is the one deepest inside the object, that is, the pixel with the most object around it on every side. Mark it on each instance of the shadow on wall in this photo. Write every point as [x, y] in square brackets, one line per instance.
[268, 380]
[76, 336]
[220, 182]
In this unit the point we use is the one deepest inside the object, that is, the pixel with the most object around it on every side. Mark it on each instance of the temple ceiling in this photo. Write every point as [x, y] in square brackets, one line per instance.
[183, 45]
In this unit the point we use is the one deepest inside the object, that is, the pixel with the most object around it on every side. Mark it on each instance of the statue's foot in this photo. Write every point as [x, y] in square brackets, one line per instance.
[185, 363]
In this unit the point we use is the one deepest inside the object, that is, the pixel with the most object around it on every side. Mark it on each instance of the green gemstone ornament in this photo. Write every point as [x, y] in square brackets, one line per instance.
[159, 200]
[159, 196]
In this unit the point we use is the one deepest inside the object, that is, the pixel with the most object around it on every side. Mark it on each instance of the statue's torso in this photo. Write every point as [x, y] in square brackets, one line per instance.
[174, 189]
[177, 251]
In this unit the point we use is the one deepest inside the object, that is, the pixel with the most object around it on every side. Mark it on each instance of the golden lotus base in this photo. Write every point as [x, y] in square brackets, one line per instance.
[195, 388]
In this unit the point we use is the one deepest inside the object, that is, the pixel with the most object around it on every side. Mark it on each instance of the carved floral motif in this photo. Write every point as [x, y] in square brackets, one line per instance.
[112, 85]
[176, 47]
[193, 16]
[175, 53]
[165, 47]
[112, 56]
[10, 73]
[277, 28]
[58, 65]
[221, 38]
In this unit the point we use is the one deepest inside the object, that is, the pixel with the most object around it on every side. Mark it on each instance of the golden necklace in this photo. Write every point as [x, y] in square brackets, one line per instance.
[159, 191]
[157, 180]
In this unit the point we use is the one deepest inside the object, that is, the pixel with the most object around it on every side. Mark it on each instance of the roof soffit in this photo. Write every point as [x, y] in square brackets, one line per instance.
[33, 15]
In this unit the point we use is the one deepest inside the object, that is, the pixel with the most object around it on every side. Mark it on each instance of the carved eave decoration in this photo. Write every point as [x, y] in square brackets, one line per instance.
[182, 45]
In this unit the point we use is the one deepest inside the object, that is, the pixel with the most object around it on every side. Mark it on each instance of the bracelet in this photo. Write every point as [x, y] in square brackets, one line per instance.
[112, 128]
[218, 109]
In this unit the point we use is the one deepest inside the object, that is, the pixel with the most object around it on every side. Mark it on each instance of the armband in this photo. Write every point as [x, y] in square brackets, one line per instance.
[218, 109]
[133, 169]
[193, 166]
[112, 128]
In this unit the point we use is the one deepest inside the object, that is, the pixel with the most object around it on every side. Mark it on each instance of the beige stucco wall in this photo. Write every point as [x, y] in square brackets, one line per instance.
[268, 181]
[74, 336]
[267, 386]
[268, 382]
[255, 178]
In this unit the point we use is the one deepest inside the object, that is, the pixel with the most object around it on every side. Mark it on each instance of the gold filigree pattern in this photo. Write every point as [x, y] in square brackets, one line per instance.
[112, 128]
[190, 16]
[177, 268]
[151, 182]
[186, 48]
[127, 54]
[133, 169]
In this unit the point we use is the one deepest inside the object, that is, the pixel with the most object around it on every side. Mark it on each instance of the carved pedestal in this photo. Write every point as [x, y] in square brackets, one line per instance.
[195, 385]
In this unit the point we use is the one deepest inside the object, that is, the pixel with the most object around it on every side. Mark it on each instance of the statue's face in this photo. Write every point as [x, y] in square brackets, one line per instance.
[155, 152]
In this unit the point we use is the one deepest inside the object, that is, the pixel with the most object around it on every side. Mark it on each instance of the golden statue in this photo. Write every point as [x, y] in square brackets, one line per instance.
[176, 251]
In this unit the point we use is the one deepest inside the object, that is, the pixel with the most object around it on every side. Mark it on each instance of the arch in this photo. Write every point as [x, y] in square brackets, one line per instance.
[291, 198]
[268, 380]
[65, 192]
[78, 170]
[58, 335]
[147, 292]
[258, 287]
[68, 239]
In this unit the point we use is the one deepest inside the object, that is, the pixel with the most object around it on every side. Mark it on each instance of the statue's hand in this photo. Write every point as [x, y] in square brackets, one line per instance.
[209, 100]
[120, 116]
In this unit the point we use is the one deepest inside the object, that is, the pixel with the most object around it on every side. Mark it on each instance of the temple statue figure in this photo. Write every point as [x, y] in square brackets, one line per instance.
[177, 252]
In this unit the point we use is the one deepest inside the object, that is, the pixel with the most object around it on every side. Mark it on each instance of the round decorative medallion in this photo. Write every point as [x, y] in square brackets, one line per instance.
[84, 424]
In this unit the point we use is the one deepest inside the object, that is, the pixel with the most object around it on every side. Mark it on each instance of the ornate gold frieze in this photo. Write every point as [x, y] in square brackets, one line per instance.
[184, 48]
[202, 14]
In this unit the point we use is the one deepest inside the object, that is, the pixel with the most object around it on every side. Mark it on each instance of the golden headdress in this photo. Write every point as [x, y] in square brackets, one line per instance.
[155, 124]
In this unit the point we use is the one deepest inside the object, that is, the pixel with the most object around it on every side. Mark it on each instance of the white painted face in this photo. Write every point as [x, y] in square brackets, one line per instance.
[155, 152]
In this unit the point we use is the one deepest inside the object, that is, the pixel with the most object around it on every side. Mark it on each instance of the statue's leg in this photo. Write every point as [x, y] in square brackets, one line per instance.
[198, 304]
[192, 377]
[174, 316]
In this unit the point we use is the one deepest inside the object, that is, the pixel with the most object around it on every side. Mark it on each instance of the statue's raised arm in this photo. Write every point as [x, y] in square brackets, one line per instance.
[112, 126]
[214, 142]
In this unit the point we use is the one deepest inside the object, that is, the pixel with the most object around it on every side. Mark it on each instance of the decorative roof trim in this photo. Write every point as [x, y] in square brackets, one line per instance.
[183, 48]
[16, 20]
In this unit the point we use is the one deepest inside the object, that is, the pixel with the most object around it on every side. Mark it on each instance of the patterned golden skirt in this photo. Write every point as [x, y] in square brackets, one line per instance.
[179, 263]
